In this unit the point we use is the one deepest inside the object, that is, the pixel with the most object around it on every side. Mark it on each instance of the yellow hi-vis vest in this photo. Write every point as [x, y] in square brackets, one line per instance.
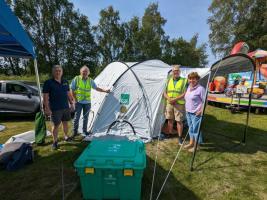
[83, 90]
[174, 91]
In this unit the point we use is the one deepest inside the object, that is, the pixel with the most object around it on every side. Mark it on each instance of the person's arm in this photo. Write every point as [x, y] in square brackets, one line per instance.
[172, 100]
[166, 96]
[200, 107]
[199, 111]
[70, 98]
[46, 90]
[73, 90]
[46, 104]
[165, 93]
[71, 101]
[168, 99]
[73, 93]
[94, 86]
[180, 96]
[102, 90]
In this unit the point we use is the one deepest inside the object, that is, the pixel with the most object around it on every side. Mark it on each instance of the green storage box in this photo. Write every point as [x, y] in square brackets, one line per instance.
[112, 169]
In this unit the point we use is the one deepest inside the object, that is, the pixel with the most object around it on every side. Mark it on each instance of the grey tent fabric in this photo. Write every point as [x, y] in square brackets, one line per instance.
[232, 64]
[235, 63]
[145, 83]
[28, 137]
[2, 127]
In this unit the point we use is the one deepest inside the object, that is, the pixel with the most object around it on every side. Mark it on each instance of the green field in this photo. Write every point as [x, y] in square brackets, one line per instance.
[224, 168]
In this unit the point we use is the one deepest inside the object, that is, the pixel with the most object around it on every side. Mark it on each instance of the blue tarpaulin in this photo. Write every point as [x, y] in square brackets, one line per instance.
[14, 41]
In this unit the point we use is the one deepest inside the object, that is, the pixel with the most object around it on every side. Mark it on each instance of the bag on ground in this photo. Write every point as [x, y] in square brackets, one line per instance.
[40, 128]
[15, 155]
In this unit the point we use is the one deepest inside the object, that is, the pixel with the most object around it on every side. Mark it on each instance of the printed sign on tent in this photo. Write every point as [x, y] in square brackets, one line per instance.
[125, 99]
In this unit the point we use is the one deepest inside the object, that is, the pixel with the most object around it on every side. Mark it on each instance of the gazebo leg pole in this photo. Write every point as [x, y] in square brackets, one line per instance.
[38, 84]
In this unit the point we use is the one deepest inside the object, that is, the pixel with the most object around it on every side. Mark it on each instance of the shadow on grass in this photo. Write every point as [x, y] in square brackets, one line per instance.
[225, 137]
[21, 117]
[173, 188]
[44, 179]
[222, 136]
[16, 118]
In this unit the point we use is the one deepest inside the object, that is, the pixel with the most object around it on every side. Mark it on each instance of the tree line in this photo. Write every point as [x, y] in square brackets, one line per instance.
[62, 35]
[232, 21]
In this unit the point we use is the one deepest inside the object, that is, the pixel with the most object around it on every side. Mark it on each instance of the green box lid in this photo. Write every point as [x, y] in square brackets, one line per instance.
[113, 154]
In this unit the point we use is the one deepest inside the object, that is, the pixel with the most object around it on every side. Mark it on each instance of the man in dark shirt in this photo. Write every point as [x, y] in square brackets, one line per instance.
[57, 96]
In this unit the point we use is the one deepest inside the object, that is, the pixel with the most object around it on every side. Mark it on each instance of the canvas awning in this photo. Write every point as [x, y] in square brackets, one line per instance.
[233, 64]
[14, 41]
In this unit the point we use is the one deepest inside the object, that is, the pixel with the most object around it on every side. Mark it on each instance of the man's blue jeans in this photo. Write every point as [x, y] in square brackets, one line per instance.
[193, 124]
[79, 107]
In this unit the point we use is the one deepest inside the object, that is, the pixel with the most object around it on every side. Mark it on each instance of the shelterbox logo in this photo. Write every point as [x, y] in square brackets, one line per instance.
[125, 99]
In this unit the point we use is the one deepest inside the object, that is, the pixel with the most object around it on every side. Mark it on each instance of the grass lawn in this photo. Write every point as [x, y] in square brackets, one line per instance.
[30, 78]
[224, 169]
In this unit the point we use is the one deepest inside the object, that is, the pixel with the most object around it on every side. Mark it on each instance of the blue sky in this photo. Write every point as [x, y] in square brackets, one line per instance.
[184, 17]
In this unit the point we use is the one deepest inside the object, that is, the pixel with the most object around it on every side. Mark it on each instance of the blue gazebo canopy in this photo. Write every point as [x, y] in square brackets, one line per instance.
[14, 41]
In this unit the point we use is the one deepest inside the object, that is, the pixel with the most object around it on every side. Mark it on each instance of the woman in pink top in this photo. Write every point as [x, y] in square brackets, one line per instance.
[194, 99]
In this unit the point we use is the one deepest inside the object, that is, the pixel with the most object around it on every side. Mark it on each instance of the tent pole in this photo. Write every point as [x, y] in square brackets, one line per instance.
[142, 88]
[200, 126]
[249, 107]
[38, 84]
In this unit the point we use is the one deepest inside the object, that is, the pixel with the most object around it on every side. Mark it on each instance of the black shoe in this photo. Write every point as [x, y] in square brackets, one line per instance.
[162, 137]
[180, 141]
[86, 133]
[55, 146]
[68, 139]
[168, 136]
[74, 135]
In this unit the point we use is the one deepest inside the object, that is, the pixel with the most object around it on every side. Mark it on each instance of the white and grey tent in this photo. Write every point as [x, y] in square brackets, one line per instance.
[143, 85]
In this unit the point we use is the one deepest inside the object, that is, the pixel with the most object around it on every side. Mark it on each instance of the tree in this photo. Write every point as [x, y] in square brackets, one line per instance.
[179, 51]
[61, 35]
[233, 21]
[110, 36]
[132, 50]
[64, 36]
[152, 32]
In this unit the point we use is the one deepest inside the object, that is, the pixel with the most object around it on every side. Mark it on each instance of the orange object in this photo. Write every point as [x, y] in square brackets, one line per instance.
[263, 70]
[211, 86]
[219, 82]
[240, 47]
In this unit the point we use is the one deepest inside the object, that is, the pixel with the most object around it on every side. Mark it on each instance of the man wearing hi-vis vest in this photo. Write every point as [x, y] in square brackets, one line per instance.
[174, 94]
[81, 90]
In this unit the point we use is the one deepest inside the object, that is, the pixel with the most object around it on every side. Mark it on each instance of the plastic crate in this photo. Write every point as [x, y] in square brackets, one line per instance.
[112, 169]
